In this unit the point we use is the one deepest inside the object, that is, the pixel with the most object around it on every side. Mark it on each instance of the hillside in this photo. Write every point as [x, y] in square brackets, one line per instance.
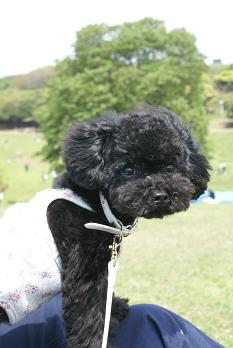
[35, 79]
[21, 95]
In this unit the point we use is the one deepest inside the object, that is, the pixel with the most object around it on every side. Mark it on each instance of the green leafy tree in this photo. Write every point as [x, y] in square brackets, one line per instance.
[18, 105]
[4, 83]
[122, 67]
[210, 95]
[229, 107]
[224, 80]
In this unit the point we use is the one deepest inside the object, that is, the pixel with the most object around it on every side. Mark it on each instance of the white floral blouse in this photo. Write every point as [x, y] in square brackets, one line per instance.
[30, 267]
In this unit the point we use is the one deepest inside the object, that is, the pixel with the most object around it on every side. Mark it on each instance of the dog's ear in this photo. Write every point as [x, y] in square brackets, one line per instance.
[197, 167]
[84, 151]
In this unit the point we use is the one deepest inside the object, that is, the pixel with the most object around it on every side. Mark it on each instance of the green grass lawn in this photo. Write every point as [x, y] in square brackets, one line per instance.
[221, 145]
[20, 148]
[184, 262]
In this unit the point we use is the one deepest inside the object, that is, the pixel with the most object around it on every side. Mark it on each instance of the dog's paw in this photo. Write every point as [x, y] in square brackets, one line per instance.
[120, 308]
[119, 311]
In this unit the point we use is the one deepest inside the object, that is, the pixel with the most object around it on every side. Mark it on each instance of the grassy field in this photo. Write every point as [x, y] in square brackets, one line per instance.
[221, 145]
[20, 149]
[184, 262]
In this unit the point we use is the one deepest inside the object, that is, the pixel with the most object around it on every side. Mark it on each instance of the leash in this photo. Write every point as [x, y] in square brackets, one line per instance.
[119, 231]
[112, 271]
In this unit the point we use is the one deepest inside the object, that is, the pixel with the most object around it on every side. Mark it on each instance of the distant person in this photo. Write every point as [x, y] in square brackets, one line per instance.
[211, 193]
[44, 177]
[26, 167]
[222, 167]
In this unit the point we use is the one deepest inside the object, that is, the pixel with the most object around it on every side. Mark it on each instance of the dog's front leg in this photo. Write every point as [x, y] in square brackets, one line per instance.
[119, 311]
[85, 255]
[84, 289]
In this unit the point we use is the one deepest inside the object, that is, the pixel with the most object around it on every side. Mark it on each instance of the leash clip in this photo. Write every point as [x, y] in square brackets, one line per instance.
[114, 248]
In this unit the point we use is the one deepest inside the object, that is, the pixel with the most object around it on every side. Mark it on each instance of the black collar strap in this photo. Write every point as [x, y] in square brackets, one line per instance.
[117, 228]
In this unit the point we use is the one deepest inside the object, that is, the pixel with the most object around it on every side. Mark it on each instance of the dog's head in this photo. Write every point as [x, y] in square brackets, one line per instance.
[147, 163]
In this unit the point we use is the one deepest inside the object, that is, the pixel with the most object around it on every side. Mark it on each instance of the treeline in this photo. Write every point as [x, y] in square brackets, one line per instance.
[119, 68]
[21, 95]
[219, 89]
[224, 79]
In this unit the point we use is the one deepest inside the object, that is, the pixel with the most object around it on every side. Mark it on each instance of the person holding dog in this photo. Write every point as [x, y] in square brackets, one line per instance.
[145, 326]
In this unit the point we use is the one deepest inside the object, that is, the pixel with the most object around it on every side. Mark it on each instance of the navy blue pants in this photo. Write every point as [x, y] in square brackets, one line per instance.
[146, 326]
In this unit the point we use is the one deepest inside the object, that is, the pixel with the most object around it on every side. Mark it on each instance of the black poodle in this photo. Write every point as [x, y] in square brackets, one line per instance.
[145, 164]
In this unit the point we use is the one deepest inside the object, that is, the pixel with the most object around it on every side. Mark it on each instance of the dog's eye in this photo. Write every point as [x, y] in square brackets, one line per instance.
[128, 171]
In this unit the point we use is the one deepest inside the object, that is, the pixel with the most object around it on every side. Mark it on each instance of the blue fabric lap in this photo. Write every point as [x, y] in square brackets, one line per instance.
[146, 326]
[43, 328]
[151, 326]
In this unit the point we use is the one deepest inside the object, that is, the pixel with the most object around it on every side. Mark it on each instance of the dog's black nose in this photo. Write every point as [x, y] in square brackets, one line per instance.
[161, 198]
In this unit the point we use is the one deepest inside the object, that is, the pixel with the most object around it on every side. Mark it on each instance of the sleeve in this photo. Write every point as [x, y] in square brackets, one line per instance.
[42, 328]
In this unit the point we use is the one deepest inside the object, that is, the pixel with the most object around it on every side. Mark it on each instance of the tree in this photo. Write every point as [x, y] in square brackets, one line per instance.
[122, 67]
[224, 80]
[18, 105]
[210, 95]
[4, 83]
[229, 107]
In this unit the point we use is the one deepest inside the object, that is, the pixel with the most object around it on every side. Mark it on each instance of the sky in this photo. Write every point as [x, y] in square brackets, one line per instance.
[36, 33]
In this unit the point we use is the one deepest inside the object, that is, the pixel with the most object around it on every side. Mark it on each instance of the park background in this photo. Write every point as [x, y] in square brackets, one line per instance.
[183, 262]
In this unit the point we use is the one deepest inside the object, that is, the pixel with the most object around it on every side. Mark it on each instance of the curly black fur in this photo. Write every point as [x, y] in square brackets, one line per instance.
[147, 164]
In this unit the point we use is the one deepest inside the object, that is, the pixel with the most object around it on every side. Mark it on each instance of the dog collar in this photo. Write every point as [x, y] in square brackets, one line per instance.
[117, 228]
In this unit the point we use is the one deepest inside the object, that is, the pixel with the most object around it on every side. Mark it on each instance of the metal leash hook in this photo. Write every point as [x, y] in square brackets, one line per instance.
[114, 248]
